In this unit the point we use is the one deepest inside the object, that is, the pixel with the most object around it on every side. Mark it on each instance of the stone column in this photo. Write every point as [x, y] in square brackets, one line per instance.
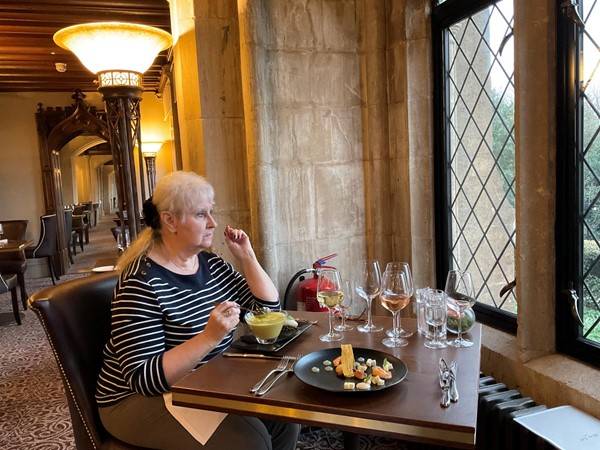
[187, 84]
[535, 125]
[209, 92]
[411, 136]
[302, 101]
[380, 222]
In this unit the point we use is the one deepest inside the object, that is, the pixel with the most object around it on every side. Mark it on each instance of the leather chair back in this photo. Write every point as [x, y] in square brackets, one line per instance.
[76, 318]
[46, 245]
[78, 210]
[68, 225]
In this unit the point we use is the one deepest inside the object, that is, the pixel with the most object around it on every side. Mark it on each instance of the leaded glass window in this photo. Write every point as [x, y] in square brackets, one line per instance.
[480, 151]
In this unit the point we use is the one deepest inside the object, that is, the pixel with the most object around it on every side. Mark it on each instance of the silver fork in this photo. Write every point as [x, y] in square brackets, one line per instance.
[280, 367]
[283, 372]
[444, 382]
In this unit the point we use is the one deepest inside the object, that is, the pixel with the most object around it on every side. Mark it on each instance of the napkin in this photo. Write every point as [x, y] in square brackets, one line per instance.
[3, 241]
[199, 423]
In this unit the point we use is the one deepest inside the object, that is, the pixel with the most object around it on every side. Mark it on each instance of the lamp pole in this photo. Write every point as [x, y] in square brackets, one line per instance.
[150, 150]
[119, 53]
[150, 159]
[123, 115]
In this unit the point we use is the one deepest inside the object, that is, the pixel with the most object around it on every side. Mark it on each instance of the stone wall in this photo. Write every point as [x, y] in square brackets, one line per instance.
[299, 117]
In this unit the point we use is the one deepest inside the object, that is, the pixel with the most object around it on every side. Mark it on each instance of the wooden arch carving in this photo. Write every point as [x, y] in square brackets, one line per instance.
[55, 128]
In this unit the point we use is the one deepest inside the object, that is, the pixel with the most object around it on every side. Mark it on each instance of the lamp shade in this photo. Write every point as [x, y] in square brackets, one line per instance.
[112, 46]
[151, 148]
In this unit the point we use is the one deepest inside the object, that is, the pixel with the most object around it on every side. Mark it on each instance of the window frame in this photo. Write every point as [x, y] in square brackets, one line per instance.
[569, 195]
[443, 16]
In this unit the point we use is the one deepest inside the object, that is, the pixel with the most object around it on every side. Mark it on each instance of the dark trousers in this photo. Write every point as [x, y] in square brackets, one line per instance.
[146, 422]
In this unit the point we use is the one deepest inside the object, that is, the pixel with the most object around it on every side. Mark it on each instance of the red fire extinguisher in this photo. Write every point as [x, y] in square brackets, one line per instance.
[307, 289]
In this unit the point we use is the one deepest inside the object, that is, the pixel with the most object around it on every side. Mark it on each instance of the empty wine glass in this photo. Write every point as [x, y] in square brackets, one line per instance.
[367, 284]
[461, 296]
[394, 297]
[329, 295]
[344, 307]
[405, 269]
[1, 231]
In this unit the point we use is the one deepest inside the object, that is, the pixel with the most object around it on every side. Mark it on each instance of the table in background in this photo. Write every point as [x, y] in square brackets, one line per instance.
[106, 261]
[15, 245]
[410, 410]
[101, 263]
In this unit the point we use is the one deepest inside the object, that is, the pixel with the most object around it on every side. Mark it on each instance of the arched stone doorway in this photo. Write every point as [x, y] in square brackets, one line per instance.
[55, 128]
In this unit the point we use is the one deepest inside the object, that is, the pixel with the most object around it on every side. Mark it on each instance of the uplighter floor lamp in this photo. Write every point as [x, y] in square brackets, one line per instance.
[119, 53]
[149, 150]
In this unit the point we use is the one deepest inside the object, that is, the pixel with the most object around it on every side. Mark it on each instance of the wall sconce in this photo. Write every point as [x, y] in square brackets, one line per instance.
[119, 53]
[149, 150]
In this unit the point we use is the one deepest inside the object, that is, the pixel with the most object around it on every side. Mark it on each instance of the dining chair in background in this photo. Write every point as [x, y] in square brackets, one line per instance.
[71, 236]
[15, 262]
[81, 224]
[10, 283]
[76, 318]
[47, 244]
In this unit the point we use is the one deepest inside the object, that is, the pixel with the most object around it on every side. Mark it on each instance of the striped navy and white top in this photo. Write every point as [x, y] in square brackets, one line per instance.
[153, 311]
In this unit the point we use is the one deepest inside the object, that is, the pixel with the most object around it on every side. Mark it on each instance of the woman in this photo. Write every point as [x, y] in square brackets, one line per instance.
[164, 323]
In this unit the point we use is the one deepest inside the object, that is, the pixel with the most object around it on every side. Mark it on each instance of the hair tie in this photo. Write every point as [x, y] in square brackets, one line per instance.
[151, 216]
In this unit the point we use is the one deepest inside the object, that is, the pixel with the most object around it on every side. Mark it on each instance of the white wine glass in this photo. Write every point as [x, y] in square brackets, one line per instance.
[405, 269]
[461, 296]
[367, 284]
[329, 295]
[345, 306]
[394, 297]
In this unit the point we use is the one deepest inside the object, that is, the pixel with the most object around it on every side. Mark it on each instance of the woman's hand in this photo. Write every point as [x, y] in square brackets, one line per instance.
[238, 242]
[222, 320]
[258, 280]
[179, 360]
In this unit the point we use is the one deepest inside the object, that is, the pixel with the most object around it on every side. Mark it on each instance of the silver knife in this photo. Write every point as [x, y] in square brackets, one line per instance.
[252, 355]
[453, 388]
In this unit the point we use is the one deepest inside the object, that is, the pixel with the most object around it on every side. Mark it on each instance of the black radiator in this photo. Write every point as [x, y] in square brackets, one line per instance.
[496, 427]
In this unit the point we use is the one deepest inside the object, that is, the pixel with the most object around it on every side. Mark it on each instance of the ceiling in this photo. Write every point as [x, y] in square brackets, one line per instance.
[28, 54]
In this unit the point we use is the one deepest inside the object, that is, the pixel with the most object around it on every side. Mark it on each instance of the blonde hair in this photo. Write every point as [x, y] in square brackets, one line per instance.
[177, 192]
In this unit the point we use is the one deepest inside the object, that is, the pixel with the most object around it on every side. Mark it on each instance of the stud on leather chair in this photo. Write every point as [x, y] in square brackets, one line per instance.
[15, 262]
[76, 318]
[46, 246]
[9, 283]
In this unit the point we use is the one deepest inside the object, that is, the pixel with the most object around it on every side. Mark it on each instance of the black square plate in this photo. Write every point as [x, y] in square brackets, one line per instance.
[248, 342]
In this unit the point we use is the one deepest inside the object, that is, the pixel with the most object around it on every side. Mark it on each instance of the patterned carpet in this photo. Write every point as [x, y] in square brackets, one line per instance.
[33, 409]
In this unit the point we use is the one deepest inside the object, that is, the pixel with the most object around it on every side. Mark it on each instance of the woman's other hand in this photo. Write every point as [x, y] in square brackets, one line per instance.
[260, 284]
[238, 242]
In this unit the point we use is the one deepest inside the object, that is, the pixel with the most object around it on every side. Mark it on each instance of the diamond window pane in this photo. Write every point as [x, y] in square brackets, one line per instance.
[589, 129]
[481, 164]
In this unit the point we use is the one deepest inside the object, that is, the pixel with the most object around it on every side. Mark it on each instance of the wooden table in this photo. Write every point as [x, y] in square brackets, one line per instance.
[410, 410]
[15, 245]
[101, 263]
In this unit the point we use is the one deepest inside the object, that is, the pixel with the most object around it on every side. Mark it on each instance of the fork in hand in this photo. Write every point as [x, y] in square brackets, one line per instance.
[280, 367]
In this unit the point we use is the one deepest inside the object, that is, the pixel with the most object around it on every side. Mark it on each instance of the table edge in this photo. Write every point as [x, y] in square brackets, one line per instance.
[459, 439]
